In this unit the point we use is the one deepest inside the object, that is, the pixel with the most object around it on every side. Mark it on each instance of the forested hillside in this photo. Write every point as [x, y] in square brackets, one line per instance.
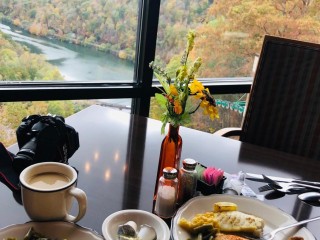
[18, 64]
[109, 25]
[231, 31]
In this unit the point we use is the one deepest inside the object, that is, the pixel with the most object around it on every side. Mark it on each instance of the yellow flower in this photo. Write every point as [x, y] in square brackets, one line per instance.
[173, 90]
[199, 95]
[196, 87]
[182, 73]
[185, 84]
[177, 107]
[209, 109]
[191, 35]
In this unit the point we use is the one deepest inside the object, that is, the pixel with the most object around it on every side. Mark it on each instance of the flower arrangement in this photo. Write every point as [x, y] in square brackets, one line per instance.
[175, 92]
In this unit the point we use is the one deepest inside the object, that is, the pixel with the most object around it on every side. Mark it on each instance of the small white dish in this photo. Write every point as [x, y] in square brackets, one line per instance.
[111, 223]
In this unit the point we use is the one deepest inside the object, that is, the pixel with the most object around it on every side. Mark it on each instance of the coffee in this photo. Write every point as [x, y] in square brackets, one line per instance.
[48, 181]
[48, 190]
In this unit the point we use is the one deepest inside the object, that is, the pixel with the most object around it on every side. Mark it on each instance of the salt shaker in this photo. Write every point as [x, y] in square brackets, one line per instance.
[187, 181]
[167, 193]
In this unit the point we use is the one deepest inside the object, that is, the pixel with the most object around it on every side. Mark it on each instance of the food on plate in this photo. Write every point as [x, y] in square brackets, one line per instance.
[224, 206]
[225, 218]
[128, 231]
[147, 232]
[32, 235]
[235, 221]
[221, 236]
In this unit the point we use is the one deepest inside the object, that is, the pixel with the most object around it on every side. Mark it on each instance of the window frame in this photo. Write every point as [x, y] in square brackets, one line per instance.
[143, 86]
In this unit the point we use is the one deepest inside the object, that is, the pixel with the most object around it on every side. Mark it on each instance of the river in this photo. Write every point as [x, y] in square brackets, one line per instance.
[75, 63]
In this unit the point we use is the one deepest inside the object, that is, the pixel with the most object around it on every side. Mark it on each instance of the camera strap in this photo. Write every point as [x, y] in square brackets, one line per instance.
[7, 174]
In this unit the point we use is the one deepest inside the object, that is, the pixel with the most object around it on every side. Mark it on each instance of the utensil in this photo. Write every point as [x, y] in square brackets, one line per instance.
[259, 178]
[264, 188]
[285, 188]
[271, 235]
[290, 187]
[312, 198]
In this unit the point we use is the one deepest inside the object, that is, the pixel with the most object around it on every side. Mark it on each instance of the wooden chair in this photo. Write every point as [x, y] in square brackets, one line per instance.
[283, 111]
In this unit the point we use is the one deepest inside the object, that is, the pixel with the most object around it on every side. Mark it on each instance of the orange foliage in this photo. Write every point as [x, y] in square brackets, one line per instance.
[35, 29]
[16, 22]
[122, 54]
[234, 31]
[44, 31]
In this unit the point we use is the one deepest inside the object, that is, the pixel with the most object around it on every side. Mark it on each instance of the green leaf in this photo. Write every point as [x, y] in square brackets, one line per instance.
[162, 100]
[185, 118]
[174, 121]
[164, 117]
[163, 82]
[189, 106]
[163, 127]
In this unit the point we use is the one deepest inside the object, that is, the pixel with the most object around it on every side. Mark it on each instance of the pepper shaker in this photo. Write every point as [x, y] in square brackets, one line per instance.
[167, 193]
[187, 181]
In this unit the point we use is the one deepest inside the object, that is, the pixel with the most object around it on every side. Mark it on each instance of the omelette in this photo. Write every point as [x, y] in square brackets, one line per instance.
[225, 218]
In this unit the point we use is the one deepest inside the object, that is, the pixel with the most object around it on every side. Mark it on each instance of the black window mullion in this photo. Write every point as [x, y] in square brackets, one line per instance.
[145, 52]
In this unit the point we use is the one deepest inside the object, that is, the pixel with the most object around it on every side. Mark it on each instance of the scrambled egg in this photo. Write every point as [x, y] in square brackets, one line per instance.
[226, 218]
[199, 220]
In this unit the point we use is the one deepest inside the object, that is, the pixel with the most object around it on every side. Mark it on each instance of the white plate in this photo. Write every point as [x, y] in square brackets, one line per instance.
[111, 223]
[53, 230]
[273, 217]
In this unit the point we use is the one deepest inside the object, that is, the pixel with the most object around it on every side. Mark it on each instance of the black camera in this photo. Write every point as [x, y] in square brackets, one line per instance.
[44, 139]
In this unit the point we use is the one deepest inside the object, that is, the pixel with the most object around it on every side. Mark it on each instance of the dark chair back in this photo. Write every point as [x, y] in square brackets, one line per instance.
[283, 111]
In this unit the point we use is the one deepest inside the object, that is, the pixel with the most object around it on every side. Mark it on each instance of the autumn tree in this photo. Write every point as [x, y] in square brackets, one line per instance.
[234, 31]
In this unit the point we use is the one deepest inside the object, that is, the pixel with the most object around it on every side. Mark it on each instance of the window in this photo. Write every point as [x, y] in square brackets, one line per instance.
[127, 33]
[86, 41]
[55, 50]
[230, 36]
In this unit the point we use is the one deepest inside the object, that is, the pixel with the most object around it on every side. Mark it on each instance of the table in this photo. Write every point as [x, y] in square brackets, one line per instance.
[118, 159]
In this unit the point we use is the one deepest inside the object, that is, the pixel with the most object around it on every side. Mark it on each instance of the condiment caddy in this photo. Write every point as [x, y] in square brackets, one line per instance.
[206, 188]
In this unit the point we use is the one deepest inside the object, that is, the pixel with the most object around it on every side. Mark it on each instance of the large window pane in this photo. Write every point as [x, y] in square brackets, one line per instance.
[230, 35]
[75, 40]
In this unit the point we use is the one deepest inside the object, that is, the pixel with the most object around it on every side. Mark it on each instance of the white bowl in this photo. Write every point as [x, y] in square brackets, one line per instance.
[111, 223]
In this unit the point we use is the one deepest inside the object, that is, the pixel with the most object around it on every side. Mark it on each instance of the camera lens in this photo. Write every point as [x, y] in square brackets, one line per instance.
[25, 157]
[21, 161]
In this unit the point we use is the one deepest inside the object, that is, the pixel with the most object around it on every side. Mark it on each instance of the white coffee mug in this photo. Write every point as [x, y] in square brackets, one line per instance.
[47, 191]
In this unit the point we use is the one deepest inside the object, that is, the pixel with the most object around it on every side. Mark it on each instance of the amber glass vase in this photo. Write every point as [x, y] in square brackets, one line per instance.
[170, 152]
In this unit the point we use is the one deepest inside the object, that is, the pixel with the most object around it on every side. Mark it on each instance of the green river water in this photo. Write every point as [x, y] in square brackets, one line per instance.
[76, 63]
